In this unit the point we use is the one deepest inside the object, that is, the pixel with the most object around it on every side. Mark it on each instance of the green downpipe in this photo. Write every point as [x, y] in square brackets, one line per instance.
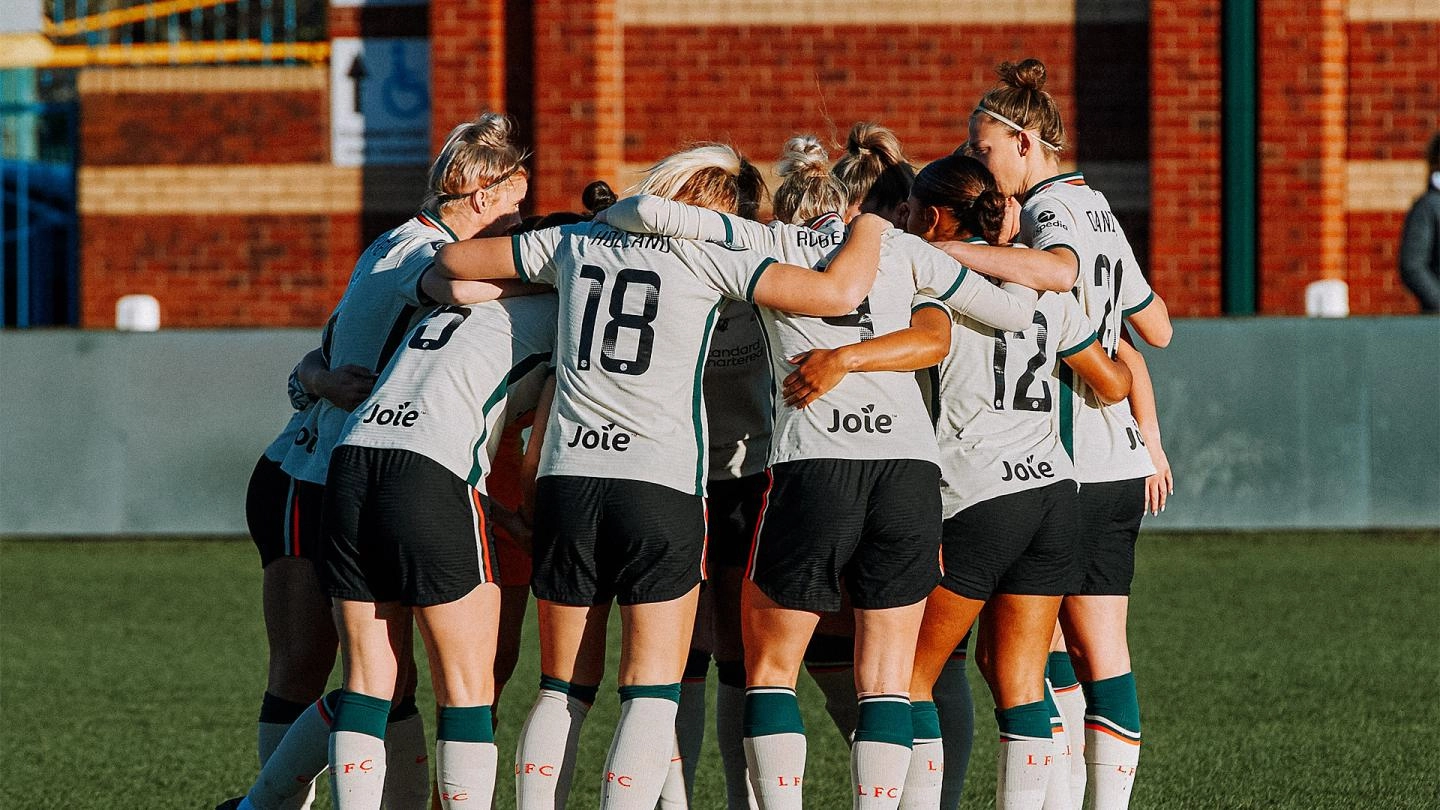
[1240, 148]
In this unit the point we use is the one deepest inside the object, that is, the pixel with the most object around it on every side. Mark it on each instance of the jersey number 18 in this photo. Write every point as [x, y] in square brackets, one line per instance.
[619, 319]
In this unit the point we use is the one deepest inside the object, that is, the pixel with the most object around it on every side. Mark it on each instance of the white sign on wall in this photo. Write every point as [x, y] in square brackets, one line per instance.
[379, 101]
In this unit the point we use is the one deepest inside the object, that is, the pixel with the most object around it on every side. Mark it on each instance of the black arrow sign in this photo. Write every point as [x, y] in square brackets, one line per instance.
[357, 73]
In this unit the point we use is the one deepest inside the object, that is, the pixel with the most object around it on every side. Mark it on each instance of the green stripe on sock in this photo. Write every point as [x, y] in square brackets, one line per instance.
[925, 720]
[886, 720]
[362, 714]
[1059, 670]
[1115, 700]
[554, 685]
[773, 711]
[473, 724]
[663, 691]
[1026, 720]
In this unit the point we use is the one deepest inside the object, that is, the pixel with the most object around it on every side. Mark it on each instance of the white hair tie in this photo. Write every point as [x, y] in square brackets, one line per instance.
[1007, 122]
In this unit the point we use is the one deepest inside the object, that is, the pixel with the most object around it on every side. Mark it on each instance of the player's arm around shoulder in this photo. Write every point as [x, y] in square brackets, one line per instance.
[477, 259]
[921, 345]
[836, 291]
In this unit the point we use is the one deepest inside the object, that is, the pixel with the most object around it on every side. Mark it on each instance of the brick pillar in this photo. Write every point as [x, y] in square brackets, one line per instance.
[1185, 155]
[1303, 79]
[467, 63]
[579, 100]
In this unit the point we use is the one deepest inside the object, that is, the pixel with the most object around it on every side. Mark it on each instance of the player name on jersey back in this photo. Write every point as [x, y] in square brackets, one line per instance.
[1065, 212]
[635, 320]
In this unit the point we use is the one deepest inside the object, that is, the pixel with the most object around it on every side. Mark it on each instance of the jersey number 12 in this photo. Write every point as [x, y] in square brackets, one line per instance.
[1023, 400]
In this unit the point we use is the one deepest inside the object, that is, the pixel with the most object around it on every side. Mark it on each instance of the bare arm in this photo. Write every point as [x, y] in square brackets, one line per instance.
[476, 259]
[923, 344]
[1152, 323]
[838, 290]
[344, 387]
[1055, 269]
[444, 290]
[1161, 485]
[1109, 379]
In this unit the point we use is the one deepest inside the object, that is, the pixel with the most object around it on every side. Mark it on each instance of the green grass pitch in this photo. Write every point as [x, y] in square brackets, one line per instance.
[1279, 670]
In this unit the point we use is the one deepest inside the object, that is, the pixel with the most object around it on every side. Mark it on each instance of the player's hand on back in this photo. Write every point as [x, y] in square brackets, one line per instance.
[345, 387]
[816, 372]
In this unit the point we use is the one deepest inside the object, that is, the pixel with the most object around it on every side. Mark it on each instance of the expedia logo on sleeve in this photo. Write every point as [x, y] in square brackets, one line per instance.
[606, 438]
[1047, 219]
[864, 422]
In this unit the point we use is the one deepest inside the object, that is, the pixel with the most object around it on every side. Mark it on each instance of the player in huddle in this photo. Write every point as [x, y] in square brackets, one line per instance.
[1079, 247]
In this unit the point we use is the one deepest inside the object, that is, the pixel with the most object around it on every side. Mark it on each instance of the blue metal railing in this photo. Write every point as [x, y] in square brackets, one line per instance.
[39, 267]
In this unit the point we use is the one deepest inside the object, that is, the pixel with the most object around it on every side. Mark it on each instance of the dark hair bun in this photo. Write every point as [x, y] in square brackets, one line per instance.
[1029, 74]
[597, 196]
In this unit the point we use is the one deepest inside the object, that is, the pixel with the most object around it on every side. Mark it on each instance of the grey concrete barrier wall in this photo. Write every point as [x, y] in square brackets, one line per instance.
[1305, 423]
[130, 433]
[1269, 423]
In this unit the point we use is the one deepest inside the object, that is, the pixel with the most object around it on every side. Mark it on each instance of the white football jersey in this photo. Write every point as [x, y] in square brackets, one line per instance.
[998, 404]
[1064, 211]
[381, 304]
[877, 414]
[737, 394]
[636, 313]
[461, 375]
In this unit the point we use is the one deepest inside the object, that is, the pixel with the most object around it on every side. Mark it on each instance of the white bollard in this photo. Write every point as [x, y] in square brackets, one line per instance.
[137, 313]
[1328, 298]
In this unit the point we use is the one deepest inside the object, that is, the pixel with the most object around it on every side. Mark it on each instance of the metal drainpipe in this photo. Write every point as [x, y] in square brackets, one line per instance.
[1239, 153]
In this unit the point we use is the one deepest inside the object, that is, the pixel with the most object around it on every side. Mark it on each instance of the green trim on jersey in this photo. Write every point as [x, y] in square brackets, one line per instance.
[924, 304]
[477, 449]
[697, 399]
[1059, 178]
[1067, 411]
[435, 215]
[1132, 310]
[519, 263]
[755, 279]
[953, 287]
[729, 229]
[1078, 347]
[517, 371]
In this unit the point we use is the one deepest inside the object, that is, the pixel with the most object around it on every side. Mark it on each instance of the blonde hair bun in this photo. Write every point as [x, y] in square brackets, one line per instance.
[802, 153]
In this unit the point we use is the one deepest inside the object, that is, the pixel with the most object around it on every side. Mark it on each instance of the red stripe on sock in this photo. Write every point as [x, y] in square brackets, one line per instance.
[1112, 732]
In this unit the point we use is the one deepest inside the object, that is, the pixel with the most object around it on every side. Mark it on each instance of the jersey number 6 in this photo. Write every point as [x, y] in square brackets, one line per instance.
[619, 319]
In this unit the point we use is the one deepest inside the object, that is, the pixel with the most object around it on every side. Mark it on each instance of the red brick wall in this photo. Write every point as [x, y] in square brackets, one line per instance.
[1185, 155]
[1393, 107]
[1394, 80]
[595, 96]
[1374, 243]
[467, 62]
[579, 91]
[756, 86]
[218, 270]
[140, 129]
